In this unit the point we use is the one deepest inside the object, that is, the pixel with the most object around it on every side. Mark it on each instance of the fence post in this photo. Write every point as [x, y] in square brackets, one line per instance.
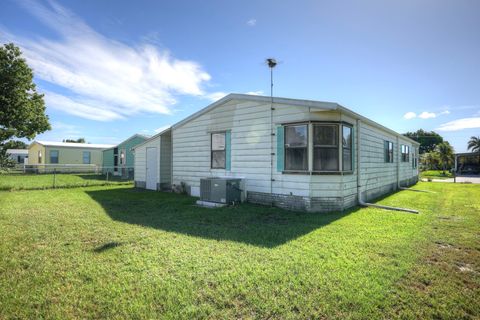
[54, 178]
[108, 171]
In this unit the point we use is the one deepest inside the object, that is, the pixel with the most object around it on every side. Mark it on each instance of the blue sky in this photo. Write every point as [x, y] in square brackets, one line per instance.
[110, 69]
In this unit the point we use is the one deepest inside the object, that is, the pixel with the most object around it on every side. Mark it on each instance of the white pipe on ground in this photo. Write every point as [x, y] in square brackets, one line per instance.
[359, 192]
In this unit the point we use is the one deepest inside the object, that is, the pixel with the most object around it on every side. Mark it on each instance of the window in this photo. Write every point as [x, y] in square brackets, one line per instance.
[405, 153]
[388, 151]
[347, 148]
[122, 157]
[296, 147]
[325, 148]
[39, 156]
[218, 154]
[53, 156]
[414, 160]
[86, 157]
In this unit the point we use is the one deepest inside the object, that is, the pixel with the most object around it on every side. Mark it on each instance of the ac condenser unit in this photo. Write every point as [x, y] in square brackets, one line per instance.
[221, 190]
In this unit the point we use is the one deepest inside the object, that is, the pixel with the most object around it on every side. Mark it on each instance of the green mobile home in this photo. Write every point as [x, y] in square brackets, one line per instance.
[119, 160]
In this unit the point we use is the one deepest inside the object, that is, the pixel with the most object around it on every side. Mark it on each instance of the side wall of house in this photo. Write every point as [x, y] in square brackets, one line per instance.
[140, 161]
[166, 161]
[75, 155]
[33, 153]
[251, 148]
[128, 145]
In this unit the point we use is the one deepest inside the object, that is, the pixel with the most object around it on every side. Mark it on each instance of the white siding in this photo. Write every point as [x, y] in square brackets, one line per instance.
[166, 158]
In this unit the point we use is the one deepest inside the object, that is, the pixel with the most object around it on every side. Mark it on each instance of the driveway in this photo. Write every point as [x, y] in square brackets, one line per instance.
[460, 179]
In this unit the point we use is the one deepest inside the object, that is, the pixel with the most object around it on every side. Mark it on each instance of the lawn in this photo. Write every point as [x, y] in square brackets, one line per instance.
[118, 252]
[436, 174]
[27, 181]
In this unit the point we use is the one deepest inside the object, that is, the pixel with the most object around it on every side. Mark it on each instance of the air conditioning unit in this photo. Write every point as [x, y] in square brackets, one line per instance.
[221, 190]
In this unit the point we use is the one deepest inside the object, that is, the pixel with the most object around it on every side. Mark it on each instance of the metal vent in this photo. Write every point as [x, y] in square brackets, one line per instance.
[222, 190]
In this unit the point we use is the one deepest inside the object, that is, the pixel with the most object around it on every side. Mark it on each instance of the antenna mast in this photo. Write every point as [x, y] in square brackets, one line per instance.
[271, 62]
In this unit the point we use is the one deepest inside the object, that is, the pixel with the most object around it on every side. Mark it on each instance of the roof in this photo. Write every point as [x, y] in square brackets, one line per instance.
[311, 104]
[17, 151]
[73, 145]
[153, 137]
[463, 153]
[128, 139]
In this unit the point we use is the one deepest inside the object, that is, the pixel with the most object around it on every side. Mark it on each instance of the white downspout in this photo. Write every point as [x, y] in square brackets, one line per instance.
[359, 191]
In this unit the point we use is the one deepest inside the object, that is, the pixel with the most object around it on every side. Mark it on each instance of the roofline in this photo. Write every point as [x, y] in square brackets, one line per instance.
[468, 153]
[321, 105]
[128, 139]
[152, 137]
[92, 146]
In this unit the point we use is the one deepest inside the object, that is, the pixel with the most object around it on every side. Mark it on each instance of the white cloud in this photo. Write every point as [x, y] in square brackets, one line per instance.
[424, 115]
[255, 93]
[103, 79]
[252, 22]
[409, 115]
[460, 124]
[427, 115]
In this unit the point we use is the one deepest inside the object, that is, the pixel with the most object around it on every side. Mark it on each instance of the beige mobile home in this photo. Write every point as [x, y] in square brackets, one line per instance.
[296, 154]
[45, 154]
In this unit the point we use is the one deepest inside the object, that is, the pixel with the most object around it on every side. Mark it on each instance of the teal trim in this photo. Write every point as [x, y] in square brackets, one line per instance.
[280, 148]
[228, 150]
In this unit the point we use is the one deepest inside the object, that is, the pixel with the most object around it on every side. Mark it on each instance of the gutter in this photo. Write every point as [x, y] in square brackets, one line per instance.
[359, 191]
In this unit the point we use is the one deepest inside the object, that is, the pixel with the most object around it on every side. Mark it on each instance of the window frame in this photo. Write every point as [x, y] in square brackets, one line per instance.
[388, 152]
[343, 125]
[224, 149]
[307, 147]
[50, 156]
[320, 146]
[405, 149]
[89, 157]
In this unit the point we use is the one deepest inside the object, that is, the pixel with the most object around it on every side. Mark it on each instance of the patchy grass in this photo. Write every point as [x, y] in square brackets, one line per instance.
[118, 252]
[436, 174]
[27, 181]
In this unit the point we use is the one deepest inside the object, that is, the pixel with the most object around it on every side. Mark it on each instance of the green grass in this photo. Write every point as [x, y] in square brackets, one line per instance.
[26, 181]
[436, 174]
[117, 252]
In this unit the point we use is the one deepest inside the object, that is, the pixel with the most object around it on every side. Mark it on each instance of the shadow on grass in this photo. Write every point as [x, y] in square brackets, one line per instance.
[252, 224]
[107, 246]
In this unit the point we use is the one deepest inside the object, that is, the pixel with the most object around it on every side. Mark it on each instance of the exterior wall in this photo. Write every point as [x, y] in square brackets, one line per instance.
[33, 153]
[251, 148]
[108, 159]
[69, 155]
[128, 145]
[166, 161]
[140, 161]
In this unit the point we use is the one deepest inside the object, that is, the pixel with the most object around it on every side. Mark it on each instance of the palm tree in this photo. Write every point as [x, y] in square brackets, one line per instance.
[445, 153]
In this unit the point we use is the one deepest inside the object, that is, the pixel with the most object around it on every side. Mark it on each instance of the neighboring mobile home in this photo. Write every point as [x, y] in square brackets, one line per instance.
[19, 156]
[120, 159]
[45, 154]
[295, 154]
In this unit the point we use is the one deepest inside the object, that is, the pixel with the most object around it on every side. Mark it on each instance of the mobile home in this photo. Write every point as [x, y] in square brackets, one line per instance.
[295, 154]
[120, 159]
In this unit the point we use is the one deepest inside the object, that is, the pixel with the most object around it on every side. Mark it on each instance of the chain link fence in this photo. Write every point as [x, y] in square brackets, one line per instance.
[47, 176]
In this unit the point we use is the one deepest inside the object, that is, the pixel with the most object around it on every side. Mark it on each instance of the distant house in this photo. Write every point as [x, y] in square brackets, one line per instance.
[468, 162]
[47, 154]
[119, 159]
[18, 155]
[295, 154]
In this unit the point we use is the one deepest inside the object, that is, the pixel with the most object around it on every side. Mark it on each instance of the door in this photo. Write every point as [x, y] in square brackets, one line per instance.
[152, 169]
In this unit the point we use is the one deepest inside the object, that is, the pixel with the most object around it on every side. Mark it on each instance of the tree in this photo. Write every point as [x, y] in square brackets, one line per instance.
[14, 144]
[445, 154]
[474, 144]
[430, 160]
[428, 139]
[22, 109]
[79, 140]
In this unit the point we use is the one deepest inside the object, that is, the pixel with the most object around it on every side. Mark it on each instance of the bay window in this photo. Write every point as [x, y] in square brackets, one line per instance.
[296, 147]
[325, 147]
[347, 148]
